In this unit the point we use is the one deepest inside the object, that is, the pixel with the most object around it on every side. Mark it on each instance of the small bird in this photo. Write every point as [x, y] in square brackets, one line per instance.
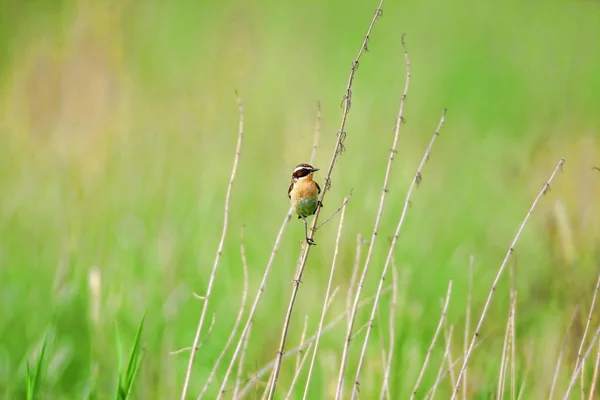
[304, 194]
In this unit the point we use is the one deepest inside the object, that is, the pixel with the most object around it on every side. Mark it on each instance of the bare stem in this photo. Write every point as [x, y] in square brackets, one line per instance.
[562, 352]
[213, 273]
[511, 249]
[430, 350]
[384, 192]
[587, 326]
[580, 365]
[595, 377]
[431, 394]
[413, 186]
[333, 323]
[295, 379]
[326, 299]
[392, 331]
[468, 322]
[235, 325]
[339, 148]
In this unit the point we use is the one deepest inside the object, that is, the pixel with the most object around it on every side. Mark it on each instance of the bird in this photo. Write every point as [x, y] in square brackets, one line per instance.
[304, 194]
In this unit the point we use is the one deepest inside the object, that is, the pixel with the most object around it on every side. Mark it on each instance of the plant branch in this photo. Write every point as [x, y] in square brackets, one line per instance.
[511, 249]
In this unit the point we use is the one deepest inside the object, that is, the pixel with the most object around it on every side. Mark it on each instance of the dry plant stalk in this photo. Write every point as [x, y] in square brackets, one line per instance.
[302, 337]
[506, 350]
[339, 148]
[580, 366]
[431, 394]
[238, 380]
[213, 273]
[415, 182]
[447, 372]
[359, 243]
[332, 324]
[448, 337]
[587, 326]
[562, 352]
[297, 374]
[435, 336]
[263, 283]
[392, 333]
[326, 299]
[237, 320]
[511, 249]
[595, 376]
[468, 322]
[384, 192]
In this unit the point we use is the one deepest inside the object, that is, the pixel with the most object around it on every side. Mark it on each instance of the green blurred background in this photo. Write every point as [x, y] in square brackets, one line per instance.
[117, 132]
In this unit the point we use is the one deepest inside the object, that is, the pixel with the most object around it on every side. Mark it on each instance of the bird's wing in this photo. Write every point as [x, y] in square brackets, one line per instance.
[290, 190]
[318, 188]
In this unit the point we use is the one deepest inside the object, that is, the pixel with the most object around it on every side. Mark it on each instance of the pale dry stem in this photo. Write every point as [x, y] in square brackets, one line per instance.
[238, 380]
[595, 375]
[332, 324]
[339, 148]
[562, 352]
[236, 323]
[302, 337]
[326, 299]
[431, 394]
[468, 322]
[578, 369]
[511, 249]
[243, 340]
[213, 273]
[435, 336]
[297, 373]
[587, 326]
[392, 247]
[392, 332]
[384, 192]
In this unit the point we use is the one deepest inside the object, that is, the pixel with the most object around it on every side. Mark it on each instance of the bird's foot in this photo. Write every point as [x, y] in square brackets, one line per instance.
[310, 242]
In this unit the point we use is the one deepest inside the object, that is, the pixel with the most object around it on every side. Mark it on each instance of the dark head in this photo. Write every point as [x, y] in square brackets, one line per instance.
[303, 171]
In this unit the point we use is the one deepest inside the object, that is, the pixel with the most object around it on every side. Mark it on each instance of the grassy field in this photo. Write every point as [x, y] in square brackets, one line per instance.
[118, 126]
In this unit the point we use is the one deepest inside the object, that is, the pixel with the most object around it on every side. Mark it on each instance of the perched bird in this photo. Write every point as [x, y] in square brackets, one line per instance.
[304, 194]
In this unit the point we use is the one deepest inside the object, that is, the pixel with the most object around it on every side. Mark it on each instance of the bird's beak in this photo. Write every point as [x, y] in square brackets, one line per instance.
[315, 169]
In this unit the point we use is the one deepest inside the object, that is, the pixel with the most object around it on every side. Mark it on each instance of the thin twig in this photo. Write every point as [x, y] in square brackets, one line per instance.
[511, 249]
[587, 326]
[336, 211]
[213, 274]
[577, 370]
[513, 342]
[238, 380]
[263, 283]
[595, 376]
[562, 352]
[339, 148]
[316, 134]
[295, 379]
[237, 320]
[386, 392]
[359, 243]
[431, 395]
[528, 358]
[435, 336]
[447, 371]
[448, 337]
[201, 342]
[392, 247]
[254, 307]
[326, 299]
[468, 322]
[392, 332]
[384, 192]
[302, 337]
[332, 324]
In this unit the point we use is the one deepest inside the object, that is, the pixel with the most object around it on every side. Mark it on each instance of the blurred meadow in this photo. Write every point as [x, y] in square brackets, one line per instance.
[118, 126]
